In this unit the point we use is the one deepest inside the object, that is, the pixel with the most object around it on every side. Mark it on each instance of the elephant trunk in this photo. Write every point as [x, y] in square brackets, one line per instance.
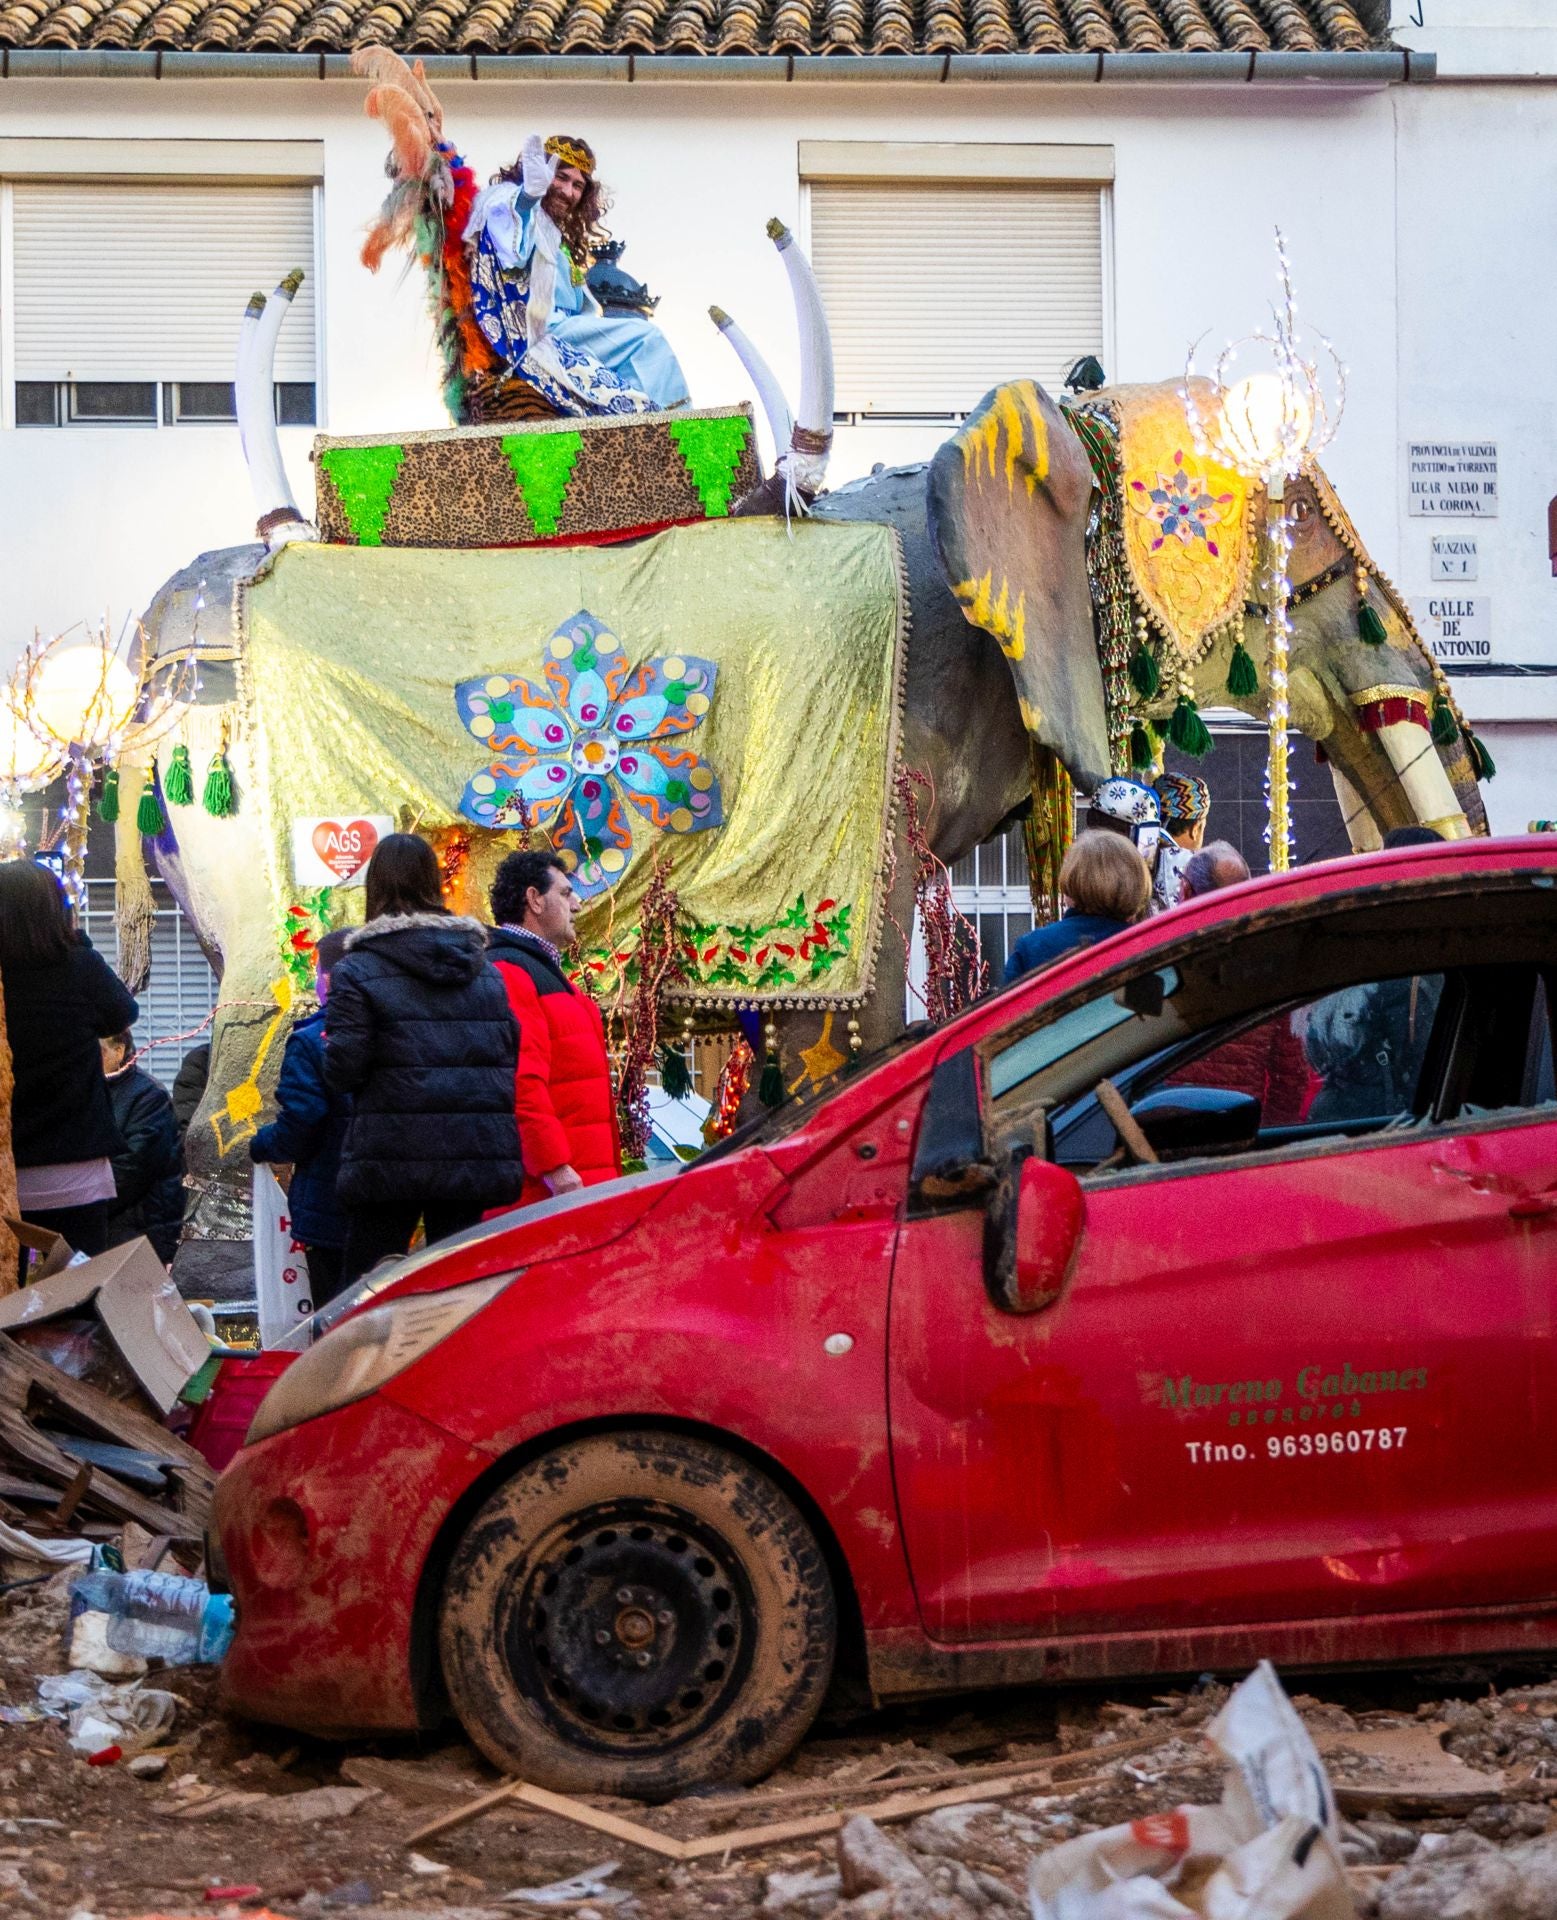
[769, 392]
[804, 462]
[279, 519]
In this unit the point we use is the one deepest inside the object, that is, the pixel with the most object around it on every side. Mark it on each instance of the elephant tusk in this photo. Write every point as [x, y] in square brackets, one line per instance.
[780, 421]
[810, 442]
[1419, 771]
[279, 519]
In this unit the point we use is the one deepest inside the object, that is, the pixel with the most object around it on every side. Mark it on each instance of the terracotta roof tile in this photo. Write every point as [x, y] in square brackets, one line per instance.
[704, 28]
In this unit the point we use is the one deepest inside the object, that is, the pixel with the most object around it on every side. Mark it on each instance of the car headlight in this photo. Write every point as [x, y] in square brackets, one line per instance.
[356, 1359]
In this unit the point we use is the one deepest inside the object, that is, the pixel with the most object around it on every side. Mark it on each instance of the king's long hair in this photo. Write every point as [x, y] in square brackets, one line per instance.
[581, 228]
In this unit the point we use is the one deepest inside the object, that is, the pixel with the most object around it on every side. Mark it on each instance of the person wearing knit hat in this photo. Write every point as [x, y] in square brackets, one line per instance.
[1185, 805]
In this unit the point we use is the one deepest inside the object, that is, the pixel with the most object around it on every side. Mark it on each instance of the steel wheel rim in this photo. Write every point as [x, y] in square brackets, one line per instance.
[631, 1627]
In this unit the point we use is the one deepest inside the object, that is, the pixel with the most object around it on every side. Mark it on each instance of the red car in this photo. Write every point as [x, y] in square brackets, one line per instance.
[1031, 1351]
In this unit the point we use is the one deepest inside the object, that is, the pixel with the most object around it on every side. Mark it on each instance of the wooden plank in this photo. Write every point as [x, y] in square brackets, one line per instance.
[106, 1493]
[65, 1512]
[903, 1806]
[521, 1793]
[115, 1419]
[991, 1770]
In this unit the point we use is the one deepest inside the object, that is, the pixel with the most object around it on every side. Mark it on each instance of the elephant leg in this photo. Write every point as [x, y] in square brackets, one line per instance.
[1361, 827]
[1422, 778]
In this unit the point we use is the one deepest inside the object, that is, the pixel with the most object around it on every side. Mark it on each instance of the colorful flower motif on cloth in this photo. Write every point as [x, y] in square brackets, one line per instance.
[601, 736]
[793, 953]
[1181, 505]
[1184, 517]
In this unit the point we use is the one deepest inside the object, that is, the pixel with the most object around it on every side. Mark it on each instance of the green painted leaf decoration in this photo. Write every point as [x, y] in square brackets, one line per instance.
[711, 451]
[364, 480]
[542, 465]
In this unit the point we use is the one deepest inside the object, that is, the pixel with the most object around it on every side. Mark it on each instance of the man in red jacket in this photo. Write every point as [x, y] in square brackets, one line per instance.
[562, 1091]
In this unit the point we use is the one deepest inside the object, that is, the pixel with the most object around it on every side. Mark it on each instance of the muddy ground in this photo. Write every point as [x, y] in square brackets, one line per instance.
[1444, 1778]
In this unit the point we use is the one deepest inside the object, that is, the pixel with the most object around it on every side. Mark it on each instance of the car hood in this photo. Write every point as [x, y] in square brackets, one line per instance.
[558, 1228]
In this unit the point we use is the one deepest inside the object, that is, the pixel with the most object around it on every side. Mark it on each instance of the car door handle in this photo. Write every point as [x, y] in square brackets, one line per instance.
[1534, 1206]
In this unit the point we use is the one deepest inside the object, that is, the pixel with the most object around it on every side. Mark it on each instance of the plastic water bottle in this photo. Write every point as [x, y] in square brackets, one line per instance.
[160, 1616]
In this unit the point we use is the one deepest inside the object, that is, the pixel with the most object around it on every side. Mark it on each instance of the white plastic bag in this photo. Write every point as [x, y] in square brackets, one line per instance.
[281, 1285]
[1269, 1851]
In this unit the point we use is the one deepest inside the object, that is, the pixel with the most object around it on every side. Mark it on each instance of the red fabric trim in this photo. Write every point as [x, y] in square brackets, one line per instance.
[1390, 713]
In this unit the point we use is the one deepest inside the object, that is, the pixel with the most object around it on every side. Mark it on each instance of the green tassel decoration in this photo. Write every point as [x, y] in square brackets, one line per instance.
[1143, 751]
[1187, 730]
[1242, 680]
[674, 1078]
[1446, 729]
[1371, 630]
[108, 799]
[149, 817]
[1143, 674]
[180, 783]
[218, 798]
[1482, 763]
[770, 1088]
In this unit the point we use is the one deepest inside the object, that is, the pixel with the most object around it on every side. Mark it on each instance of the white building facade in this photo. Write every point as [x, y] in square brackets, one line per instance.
[973, 218]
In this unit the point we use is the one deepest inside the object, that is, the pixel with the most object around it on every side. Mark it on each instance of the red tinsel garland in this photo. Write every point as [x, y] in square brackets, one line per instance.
[734, 1080]
[658, 960]
[956, 972]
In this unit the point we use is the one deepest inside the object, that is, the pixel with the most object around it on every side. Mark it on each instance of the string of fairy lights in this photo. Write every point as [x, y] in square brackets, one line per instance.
[1268, 423]
[75, 705]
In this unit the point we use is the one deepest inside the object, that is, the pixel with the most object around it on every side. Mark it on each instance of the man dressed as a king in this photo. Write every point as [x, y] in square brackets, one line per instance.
[530, 236]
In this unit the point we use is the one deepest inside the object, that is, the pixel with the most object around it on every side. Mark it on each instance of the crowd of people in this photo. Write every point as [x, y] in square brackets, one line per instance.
[451, 1071]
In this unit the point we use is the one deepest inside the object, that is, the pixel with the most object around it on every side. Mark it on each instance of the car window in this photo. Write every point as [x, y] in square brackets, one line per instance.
[1014, 1065]
[1381, 1043]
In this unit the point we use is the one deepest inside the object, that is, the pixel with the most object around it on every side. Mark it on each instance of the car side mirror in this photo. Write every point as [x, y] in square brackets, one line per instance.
[1031, 1232]
[1183, 1121]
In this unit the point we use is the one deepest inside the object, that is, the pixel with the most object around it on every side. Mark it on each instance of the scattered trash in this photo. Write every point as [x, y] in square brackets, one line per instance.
[1269, 1851]
[419, 1863]
[101, 1715]
[588, 1885]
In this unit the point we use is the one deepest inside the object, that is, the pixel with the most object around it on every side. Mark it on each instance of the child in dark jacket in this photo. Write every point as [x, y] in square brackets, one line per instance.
[149, 1166]
[307, 1134]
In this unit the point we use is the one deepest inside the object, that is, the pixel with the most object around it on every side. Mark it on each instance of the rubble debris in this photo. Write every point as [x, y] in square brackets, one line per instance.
[1518, 1883]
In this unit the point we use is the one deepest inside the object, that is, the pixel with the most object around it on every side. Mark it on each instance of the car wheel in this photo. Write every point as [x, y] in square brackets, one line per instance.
[636, 1613]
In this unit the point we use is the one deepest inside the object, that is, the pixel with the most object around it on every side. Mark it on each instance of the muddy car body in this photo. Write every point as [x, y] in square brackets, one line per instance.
[1047, 1346]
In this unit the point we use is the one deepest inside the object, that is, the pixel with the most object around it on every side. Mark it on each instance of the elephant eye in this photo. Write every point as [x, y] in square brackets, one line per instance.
[1301, 510]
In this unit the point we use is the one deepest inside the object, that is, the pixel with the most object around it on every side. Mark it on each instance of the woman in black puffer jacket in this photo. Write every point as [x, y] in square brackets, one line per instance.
[61, 999]
[417, 1029]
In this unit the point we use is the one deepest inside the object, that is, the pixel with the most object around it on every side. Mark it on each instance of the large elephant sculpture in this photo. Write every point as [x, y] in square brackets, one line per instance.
[999, 542]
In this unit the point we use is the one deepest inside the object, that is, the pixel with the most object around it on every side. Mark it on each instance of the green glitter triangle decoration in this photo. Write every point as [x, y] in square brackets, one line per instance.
[542, 465]
[712, 451]
[364, 479]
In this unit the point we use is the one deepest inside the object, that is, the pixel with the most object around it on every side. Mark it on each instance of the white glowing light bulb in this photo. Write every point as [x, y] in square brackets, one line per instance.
[85, 694]
[1267, 422]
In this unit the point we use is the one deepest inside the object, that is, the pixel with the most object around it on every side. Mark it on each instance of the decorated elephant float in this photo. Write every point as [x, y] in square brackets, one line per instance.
[751, 715]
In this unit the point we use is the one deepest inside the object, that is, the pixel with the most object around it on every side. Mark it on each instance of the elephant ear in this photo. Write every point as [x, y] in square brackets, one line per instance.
[1008, 501]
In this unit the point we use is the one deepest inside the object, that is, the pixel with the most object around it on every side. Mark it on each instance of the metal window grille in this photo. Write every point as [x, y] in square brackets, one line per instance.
[181, 989]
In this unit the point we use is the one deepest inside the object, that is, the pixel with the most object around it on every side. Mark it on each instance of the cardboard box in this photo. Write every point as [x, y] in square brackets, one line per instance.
[131, 1293]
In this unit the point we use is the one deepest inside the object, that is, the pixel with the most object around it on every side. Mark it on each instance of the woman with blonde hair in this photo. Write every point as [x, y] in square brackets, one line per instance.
[1107, 887]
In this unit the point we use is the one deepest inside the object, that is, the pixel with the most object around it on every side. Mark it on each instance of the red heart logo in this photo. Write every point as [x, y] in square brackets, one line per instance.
[345, 850]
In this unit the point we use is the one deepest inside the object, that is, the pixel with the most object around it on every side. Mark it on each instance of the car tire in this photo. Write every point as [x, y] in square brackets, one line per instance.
[637, 1613]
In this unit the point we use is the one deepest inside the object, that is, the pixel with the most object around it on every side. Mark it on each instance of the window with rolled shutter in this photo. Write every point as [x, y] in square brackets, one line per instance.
[180, 989]
[147, 280]
[937, 291]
